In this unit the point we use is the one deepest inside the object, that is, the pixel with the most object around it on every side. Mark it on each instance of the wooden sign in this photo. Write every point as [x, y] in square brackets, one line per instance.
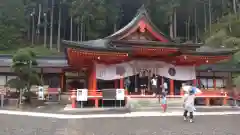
[75, 74]
[82, 94]
[120, 94]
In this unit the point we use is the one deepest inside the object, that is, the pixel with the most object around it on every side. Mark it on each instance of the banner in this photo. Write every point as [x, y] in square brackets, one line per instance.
[182, 73]
[117, 71]
[112, 72]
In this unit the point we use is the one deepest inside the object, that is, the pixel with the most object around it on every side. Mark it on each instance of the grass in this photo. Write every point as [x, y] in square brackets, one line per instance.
[38, 49]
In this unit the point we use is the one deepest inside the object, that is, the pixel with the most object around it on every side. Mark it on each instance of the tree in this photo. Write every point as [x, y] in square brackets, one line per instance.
[12, 24]
[23, 65]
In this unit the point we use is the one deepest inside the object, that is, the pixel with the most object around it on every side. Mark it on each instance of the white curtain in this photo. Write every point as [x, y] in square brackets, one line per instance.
[109, 72]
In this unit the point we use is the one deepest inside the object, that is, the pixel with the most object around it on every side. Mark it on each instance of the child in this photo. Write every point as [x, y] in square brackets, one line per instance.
[164, 102]
[189, 105]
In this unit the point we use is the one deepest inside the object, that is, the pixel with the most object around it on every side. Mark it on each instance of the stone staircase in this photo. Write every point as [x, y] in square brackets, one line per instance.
[152, 104]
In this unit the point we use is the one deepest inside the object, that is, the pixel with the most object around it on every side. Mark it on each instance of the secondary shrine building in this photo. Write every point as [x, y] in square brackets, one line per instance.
[140, 46]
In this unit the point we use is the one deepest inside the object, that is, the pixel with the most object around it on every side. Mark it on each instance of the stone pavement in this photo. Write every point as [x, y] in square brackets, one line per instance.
[66, 109]
[170, 125]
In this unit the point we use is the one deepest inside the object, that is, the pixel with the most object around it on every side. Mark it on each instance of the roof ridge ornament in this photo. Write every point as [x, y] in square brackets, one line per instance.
[142, 26]
[142, 9]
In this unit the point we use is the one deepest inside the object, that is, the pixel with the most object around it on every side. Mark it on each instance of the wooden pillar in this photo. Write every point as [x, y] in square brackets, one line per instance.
[171, 87]
[92, 83]
[207, 101]
[62, 81]
[116, 84]
[214, 81]
[214, 84]
[195, 82]
[121, 83]
[135, 80]
[198, 81]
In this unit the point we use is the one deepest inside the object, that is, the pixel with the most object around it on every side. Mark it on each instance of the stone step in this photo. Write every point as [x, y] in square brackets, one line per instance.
[153, 102]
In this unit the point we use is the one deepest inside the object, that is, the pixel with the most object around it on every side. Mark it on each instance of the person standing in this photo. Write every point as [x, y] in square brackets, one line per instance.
[235, 96]
[189, 105]
[154, 85]
[164, 87]
[164, 102]
[127, 83]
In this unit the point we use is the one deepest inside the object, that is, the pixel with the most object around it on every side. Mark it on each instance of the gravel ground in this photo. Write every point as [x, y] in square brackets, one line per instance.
[203, 125]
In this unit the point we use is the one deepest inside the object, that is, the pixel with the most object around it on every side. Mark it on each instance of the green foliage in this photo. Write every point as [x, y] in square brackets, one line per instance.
[226, 33]
[12, 23]
[23, 65]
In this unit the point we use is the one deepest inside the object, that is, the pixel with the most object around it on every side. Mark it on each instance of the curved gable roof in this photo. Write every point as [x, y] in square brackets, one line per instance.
[141, 17]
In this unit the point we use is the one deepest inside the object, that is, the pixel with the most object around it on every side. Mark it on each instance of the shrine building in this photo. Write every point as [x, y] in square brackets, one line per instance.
[107, 62]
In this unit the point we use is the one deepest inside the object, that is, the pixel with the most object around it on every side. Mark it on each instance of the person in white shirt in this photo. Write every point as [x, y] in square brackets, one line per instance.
[189, 105]
[164, 87]
[154, 85]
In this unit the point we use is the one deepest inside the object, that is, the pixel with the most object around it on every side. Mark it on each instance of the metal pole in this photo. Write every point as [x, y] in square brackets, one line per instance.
[81, 104]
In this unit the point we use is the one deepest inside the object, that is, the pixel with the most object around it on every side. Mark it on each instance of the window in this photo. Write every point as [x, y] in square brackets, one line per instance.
[209, 83]
[2, 80]
[52, 80]
[10, 77]
[203, 82]
[219, 83]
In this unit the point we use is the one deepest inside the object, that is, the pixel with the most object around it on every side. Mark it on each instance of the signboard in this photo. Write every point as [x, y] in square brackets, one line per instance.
[109, 94]
[40, 93]
[120, 94]
[82, 94]
[53, 90]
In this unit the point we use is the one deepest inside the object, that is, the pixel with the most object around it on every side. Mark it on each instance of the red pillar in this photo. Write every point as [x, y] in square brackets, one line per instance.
[195, 82]
[94, 83]
[207, 101]
[73, 99]
[62, 81]
[171, 87]
[199, 81]
[121, 83]
[214, 83]
[116, 83]
[225, 99]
